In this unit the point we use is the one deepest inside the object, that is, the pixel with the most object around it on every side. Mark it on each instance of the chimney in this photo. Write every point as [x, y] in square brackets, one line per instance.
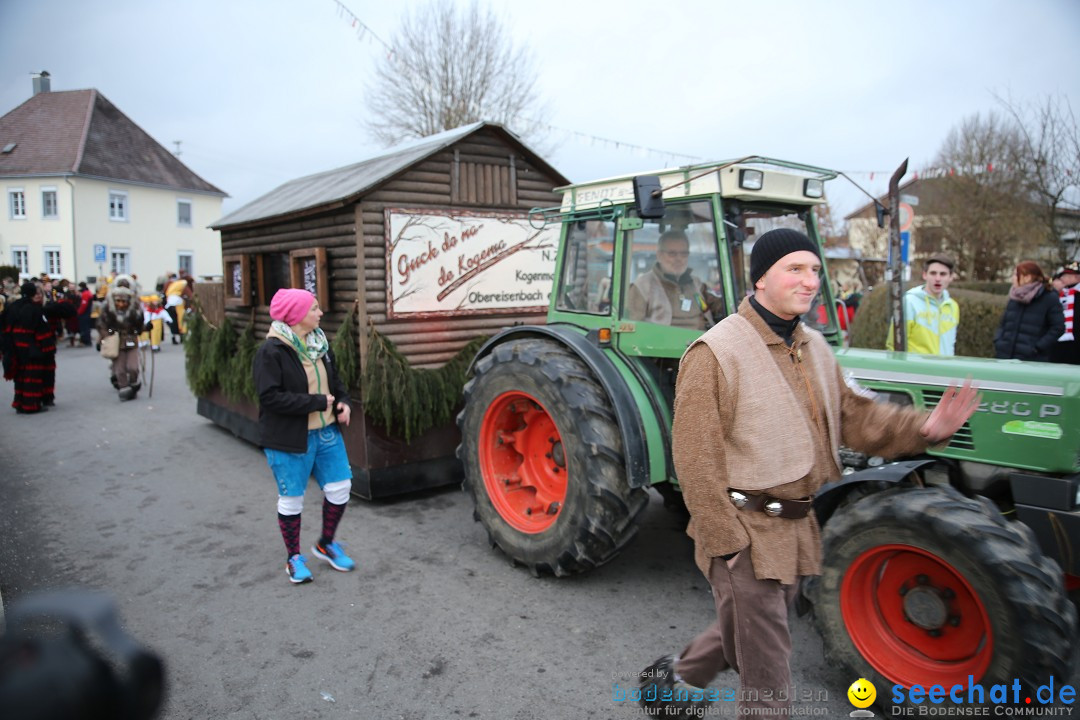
[41, 82]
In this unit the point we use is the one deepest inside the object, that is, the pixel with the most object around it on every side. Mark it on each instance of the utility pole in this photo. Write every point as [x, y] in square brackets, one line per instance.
[896, 262]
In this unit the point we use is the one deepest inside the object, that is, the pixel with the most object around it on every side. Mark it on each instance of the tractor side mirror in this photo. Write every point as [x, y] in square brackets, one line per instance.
[648, 197]
[881, 213]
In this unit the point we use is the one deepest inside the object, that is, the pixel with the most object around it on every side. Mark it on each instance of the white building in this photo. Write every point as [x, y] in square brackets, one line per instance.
[86, 191]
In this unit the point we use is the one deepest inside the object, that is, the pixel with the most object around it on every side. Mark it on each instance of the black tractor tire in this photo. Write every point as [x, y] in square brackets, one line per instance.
[596, 519]
[899, 561]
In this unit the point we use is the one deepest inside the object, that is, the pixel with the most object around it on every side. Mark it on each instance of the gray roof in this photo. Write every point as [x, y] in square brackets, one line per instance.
[345, 182]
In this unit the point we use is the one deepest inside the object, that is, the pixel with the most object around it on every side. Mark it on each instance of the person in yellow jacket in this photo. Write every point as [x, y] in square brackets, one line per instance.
[176, 293]
[930, 315]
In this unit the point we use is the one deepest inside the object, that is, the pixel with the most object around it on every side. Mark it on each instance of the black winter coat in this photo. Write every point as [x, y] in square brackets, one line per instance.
[1028, 332]
[284, 400]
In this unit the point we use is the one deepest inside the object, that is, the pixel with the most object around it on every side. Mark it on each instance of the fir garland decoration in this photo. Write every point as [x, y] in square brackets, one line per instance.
[196, 340]
[344, 348]
[214, 363]
[238, 378]
[407, 401]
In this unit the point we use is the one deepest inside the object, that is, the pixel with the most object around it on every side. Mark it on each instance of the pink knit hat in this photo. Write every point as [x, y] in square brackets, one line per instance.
[290, 305]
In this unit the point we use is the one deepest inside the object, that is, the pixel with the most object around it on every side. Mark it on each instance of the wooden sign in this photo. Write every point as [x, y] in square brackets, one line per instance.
[458, 263]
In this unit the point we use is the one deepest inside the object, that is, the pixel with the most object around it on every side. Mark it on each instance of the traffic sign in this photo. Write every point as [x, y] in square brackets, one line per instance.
[907, 216]
[99, 253]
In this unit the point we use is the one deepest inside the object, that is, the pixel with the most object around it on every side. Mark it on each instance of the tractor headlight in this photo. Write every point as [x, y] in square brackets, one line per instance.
[813, 187]
[751, 179]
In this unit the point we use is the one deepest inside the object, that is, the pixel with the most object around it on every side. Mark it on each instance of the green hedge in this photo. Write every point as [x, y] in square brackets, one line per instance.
[980, 315]
[995, 287]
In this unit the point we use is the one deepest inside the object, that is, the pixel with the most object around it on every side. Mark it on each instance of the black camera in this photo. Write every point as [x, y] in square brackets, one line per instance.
[64, 655]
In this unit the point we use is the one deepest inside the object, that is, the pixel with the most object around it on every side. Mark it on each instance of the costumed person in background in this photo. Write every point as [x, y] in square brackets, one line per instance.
[71, 323]
[301, 402]
[29, 349]
[176, 294]
[103, 285]
[154, 318]
[1067, 348]
[123, 316]
[1032, 321]
[85, 314]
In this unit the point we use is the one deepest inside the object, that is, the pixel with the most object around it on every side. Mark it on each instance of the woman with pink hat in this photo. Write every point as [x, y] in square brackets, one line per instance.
[301, 402]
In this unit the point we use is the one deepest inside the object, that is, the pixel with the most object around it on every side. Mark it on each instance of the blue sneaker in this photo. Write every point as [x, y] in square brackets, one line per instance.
[333, 554]
[298, 570]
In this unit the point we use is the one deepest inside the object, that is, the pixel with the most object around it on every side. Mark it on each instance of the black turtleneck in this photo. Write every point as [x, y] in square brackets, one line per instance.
[784, 328]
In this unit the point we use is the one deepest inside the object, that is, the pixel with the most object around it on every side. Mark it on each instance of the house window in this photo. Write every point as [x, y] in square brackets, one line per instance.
[183, 213]
[118, 205]
[17, 204]
[120, 261]
[185, 263]
[52, 261]
[49, 208]
[274, 275]
[20, 258]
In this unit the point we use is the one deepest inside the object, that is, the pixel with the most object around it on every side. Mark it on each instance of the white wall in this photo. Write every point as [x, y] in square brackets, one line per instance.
[151, 233]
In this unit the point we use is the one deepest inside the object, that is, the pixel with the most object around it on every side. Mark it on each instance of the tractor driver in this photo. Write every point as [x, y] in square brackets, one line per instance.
[670, 294]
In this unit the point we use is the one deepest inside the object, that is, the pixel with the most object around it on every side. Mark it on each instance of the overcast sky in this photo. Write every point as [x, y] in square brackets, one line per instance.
[264, 91]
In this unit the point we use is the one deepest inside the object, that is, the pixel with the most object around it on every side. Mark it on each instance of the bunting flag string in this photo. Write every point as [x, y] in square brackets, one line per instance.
[362, 29]
[364, 32]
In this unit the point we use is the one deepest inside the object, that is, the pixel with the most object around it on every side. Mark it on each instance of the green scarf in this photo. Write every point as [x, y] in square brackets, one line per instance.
[316, 346]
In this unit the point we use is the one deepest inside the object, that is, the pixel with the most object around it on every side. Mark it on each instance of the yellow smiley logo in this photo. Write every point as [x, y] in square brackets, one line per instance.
[862, 693]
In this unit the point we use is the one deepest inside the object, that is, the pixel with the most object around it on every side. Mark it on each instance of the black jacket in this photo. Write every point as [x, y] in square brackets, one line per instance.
[1027, 332]
[284, 402]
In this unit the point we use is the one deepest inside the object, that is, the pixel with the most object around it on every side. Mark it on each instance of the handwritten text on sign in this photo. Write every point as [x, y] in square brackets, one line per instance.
[457, 263]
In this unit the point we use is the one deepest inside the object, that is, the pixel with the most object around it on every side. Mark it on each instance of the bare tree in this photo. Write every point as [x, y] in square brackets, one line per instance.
[832, 229]
[450, 66]
[1051, 163]
[987, 215]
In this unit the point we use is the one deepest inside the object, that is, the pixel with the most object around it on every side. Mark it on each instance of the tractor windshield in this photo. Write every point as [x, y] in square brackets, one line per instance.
[745, 222]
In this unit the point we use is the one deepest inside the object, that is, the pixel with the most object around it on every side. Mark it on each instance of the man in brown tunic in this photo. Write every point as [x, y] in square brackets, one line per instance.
[776, 407]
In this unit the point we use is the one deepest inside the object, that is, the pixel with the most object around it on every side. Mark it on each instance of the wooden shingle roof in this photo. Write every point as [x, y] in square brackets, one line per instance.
[80, 132]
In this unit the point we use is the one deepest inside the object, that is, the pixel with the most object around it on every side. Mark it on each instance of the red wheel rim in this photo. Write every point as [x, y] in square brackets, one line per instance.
[523, 462]
[915, 618]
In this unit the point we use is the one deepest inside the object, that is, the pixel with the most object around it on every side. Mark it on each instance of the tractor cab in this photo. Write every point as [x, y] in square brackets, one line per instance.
[650, 269]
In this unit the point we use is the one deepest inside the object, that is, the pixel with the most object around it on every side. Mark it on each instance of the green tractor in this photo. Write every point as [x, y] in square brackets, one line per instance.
[937, 568]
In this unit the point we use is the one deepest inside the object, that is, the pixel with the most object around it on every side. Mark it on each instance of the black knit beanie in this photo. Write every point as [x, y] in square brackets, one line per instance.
[774, 245]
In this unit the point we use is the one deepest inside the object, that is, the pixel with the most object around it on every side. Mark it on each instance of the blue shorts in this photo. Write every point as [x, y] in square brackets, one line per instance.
[325, 458]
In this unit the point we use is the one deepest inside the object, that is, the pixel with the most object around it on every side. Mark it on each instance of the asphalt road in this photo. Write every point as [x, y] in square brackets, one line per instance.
[176, 519]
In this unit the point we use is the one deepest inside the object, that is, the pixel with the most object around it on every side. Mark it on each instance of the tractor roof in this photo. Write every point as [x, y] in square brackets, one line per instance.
[780, 181]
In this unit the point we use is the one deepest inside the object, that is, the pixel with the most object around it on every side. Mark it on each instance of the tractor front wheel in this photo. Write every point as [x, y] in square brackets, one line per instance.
[543, 459]
[924, 586]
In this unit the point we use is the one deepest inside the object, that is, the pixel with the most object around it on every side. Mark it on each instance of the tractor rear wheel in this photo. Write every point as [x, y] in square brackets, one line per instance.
[543, 459]
[926, 586]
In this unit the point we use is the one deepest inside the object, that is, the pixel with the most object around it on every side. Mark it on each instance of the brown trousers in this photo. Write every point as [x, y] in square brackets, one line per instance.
[125, 367]
[750, 636]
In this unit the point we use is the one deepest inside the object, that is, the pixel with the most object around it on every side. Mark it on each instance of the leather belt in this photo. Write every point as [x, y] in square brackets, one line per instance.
[773, 507]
